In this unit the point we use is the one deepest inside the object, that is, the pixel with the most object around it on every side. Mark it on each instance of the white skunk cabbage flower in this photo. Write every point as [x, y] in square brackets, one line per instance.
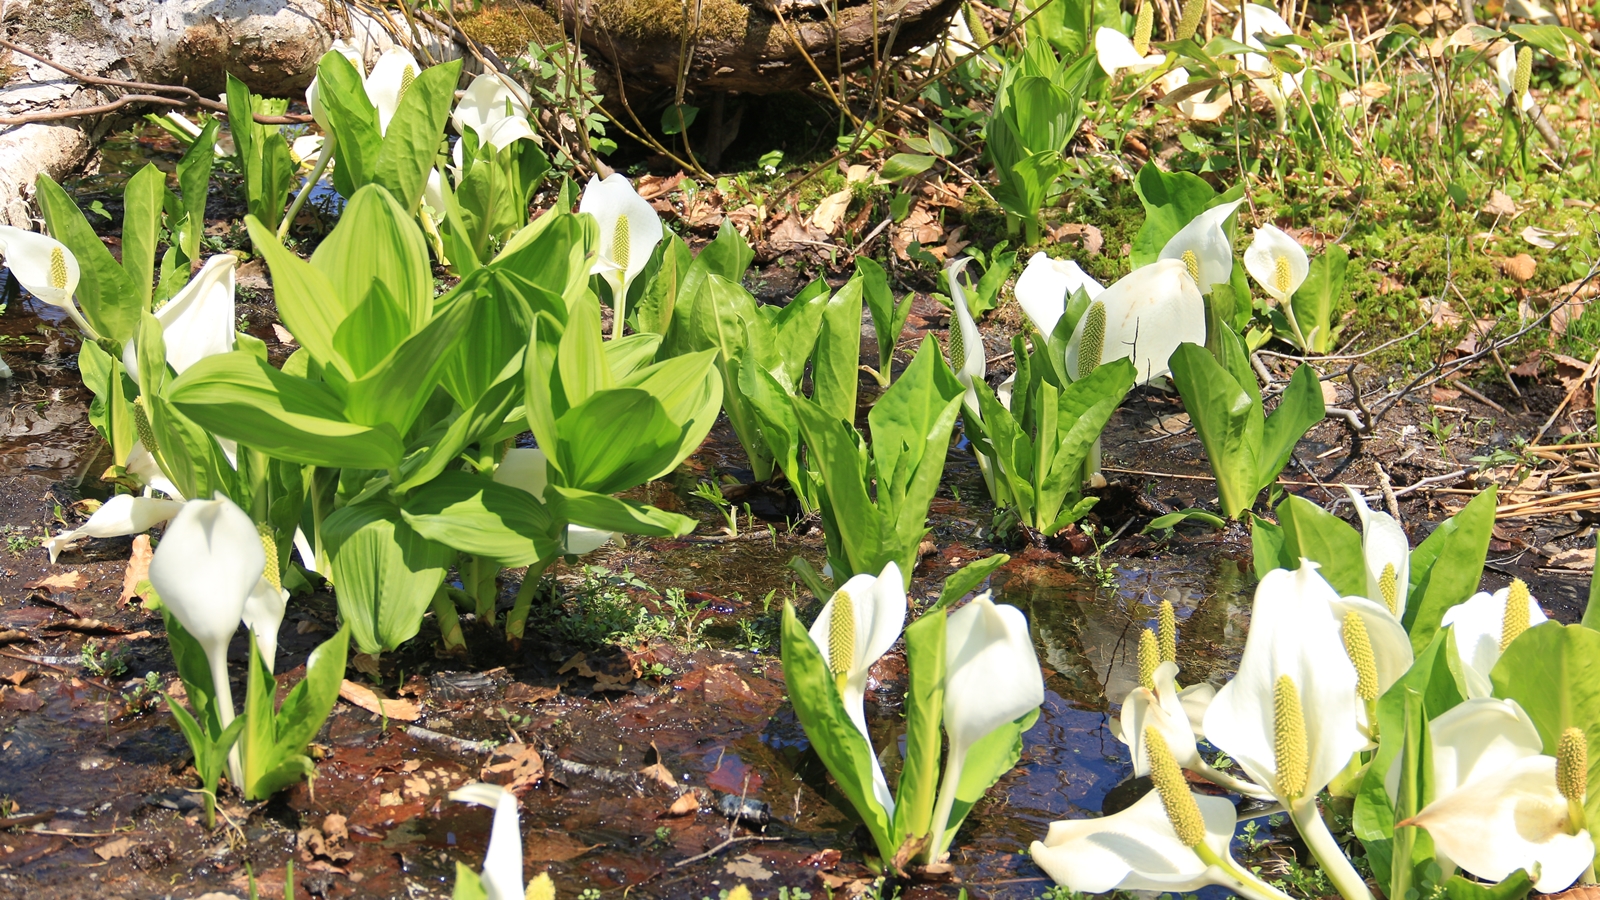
[1203, 247]
[1143, 316]
[121, 515]
[1386, 554]
[1505, 75]
[630, 228]
[1045, 286]
[1277, 262]
[1196, 108]
[198, 321]
[856, 627]
[966, 350]
[46, 268]
[1485, 625]
[1116, 51]
[388, 82]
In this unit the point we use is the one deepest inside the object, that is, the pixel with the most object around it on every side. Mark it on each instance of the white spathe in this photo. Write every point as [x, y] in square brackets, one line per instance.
[1260, 20]
[527, 468]
[877, 605]
[388, 82]
[502, 862]
[263, 614]
[1383, 544]
[486, 102]
[1149, 312]
[630, 228]
[1391, 645]
[1162, 709]
[973, 364]
[314, 94]
[1497, 806]
[1277, 262]
[1136, 849]
[1207, 241]
[1115, 52]
[1505, 76]
[1293, 632]
[1046, 285]
[1477, 626]
[198, 321]
[46, 268]
[121, 515]
[205, 568]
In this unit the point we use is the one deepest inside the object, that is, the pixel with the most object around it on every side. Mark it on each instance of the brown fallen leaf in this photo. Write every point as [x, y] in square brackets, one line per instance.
[282, 334]
[1581, 560]
[138, 570]
[61, 582]
[1520, 267]
[367, 699]
[1500, 205]
[683, 806]
[748, 866]
[830, 211]
[86, 626]
[116, 849]
[517, 767]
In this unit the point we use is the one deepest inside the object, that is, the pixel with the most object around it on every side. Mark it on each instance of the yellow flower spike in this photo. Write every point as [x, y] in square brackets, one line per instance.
[1572, 765]
[1289, 745]
[957, 349]
[1167, 631]
[1142, 27]
[1182, 811]
[1524, 71]
[1280, 274]
[841, 638]
[141, 427]
[1192, 263]
[406, 79]
[1149, 659]
[1389, 586]
[619, 243]
[1092, 347]
[1190, 23]
[1358, 644]
[1516, 617]
[739, 893]
[58, 269]
[542, 888]
[269, 545]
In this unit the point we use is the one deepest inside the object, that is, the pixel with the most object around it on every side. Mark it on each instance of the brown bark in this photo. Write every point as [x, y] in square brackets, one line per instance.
[766, 56]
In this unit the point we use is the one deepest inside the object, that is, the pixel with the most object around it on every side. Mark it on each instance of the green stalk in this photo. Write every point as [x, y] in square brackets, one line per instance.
[323, 158]
[517, 620]
[444, 608]
[1237, 880]
[1334, 863]
[947, 800]
[223, 692]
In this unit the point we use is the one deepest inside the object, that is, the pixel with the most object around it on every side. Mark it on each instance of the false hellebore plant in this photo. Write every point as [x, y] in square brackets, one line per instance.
[972, 672]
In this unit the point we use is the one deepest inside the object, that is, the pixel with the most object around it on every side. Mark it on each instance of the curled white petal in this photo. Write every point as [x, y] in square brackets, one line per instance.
[121, 515]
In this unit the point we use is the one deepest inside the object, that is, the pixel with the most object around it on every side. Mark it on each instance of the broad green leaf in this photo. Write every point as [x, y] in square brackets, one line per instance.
[245, 399]
[354, 120]
[377, 240]
[581, 359]
[396, 390]
[615, 440]
[1314, 301]
[412, 139]
[661, 279]
[142, 200]
[476, 515]
[1552, 39]
[905, 165]
[1300, 408]
[1514, 887]
[924, 705]
[966, 579]
[374, 328]
[853, 522]
[1310, 532]
[690, 390]
[385, 573]
[833, 736]
[307, 302]
[1446, 568]
[110, 300]
[1267, 547]
[1228, 421]
[1171, 200]
[194, 179]
[987, 761]
[888, 317]
[835, 369]
[609, 513]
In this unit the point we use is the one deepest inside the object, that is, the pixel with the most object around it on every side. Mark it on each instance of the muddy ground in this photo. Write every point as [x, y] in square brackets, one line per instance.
[644, 743]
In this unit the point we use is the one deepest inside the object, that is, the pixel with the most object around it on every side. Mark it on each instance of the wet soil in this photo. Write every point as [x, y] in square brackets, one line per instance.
[615, 728]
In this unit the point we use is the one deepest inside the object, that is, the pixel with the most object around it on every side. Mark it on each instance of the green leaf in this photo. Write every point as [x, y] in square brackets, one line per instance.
[385, 573]
[905, 165]
[835, 368]
[412, 139]
[476, 515]
[307, 302]
[142, 200]
[1446, 568]
[608, 513]
[354, 121]
[888, 318]
[1514, 887]
[395, 392]
[677, 118]
[1171, 200]
[1310, 532]
[966, 579]
[245, 399]
[1591, 610]
[924, 705]
[1300, 408]
[615, 440]
[1553, 672]
[1552, 39]
[110, 300]
[833, 736]
[194, 179]
[1228, 421]
[690, 390]
[377, 241]
[987, 761]
[1315, 300]
[308, 704]
[1267, 546]
[468, 885]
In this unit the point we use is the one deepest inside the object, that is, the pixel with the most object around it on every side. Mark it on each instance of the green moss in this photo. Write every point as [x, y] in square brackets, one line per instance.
[721, 21]
[508, 28]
